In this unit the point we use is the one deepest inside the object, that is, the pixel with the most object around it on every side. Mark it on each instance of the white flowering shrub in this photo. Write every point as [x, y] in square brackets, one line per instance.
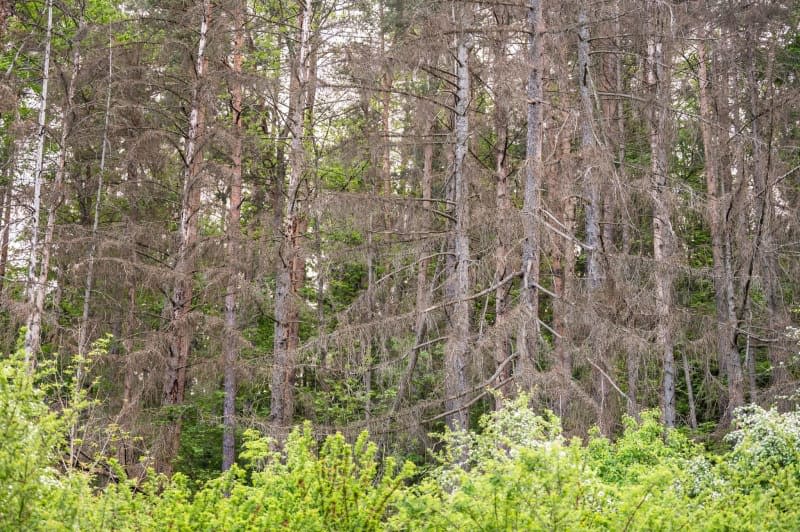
[765, 438]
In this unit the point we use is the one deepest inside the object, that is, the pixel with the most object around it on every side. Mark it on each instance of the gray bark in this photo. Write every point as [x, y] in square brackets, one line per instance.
[230, 347]
[456, 347]
[720, 243]
[592, 206]
[658, 77]
[503, 213]
[34, 319]
[527, 340]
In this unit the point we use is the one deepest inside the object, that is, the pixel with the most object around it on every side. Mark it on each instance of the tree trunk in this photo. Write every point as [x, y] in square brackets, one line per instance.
[34, 318]
[503, 207]
[720, 244]
[690, 393]
[456, 347]
[83, 333]
[423, 290]
[180, 328]
[658, 78]
[230, 346]
[592, 206]
[290, 262]
[528, 338]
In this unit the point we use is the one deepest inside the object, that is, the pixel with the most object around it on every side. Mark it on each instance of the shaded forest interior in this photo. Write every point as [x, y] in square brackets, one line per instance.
[390, 215]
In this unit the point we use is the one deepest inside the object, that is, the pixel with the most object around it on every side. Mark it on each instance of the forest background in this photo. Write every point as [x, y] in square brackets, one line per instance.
[390, 215]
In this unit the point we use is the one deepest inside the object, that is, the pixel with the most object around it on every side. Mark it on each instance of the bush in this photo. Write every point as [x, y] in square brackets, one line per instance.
[517, 472]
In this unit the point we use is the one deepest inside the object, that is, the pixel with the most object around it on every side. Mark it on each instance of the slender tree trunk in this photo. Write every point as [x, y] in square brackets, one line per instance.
[592, 199]
[34, 319]
[762, 109]
[658, 78]
[632, 357]
[687, 374]
[83, 333]
[720, 243]
[528, 338]
[8, 199]
[40, 291]
[292, 227]
[180, 329]
[503, 211]
[423, 290]
[230, 347]
[83, 329]
[562, 193]
[456, 347]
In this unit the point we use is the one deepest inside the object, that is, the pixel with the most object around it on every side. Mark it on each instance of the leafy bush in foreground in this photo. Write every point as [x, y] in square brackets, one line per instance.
[517, 472]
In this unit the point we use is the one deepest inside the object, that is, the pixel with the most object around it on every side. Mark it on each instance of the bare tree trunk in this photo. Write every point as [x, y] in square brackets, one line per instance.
[720, 244]
[34, 319]
[762, 138]
[230, 346]
[289, 259]
[180, 329]
[687, 374]
[632, 357]
[564, 202]
[503, 207]
[587, 153]
[456, 347]
[83, 333]
[40, 291]
[83, 330]
[8, 199]
[658, 77]
[528, 338]
[423, 290]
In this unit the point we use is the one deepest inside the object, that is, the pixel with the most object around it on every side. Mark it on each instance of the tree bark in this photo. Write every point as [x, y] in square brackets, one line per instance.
[456, 347]
[32, 344]
[230, 347]
[528, 338]
[83, 333]
[720, 243]
[180, 328]
[592, 206]
[658, 78]
[503, 212]
[290, 262]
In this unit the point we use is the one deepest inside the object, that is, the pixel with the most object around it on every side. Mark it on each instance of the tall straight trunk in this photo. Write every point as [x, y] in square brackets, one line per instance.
[592, 199]
[34, 318]
[180, 329]
[563, 261]
[687, 374]
[456, 347]
[658, 78]
[56, 197]
[83, 329]
[762, 109]
[632, 357]
[83, 333]
[8, 198]
[502, 204]
[288, 277]
[720, 243]
[529, 294]
[423, 290]
[230, 349]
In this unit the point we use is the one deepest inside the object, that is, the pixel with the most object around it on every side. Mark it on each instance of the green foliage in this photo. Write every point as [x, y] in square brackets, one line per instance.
[518, 472]
[31, 441]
